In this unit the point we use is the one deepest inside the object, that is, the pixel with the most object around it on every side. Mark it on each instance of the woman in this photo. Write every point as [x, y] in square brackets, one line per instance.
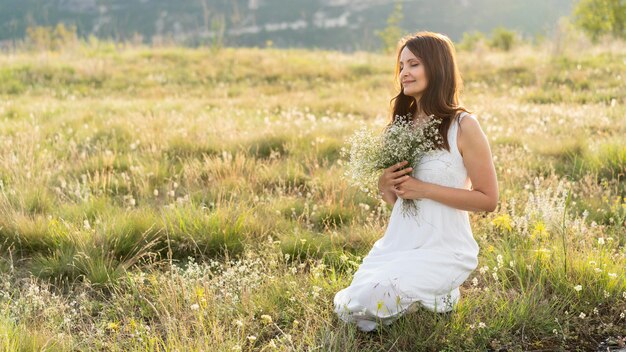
[426, 261]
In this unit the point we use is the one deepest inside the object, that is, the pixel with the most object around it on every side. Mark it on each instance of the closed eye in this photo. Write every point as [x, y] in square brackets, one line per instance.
[401, 67]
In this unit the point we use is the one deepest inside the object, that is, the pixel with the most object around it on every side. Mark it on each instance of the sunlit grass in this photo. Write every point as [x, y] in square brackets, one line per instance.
[174, 199]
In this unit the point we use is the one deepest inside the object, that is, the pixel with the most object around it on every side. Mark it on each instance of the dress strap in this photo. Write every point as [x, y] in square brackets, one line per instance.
[452, 137]
[461, 115]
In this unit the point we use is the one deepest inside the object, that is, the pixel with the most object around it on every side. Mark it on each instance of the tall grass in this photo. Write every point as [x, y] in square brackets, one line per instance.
[176, 199]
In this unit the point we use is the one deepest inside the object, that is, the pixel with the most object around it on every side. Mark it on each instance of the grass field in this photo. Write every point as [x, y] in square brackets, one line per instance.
[184, 199]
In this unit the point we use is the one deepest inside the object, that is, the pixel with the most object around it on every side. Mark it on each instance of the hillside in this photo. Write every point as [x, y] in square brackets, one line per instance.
[345, 25]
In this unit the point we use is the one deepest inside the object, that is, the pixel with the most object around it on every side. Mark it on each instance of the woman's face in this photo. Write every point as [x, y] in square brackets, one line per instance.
[412, 74]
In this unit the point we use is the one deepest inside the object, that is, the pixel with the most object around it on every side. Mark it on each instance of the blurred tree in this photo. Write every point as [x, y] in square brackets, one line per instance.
[218, 25]
[392, 33]
[50, 38]
[599, 17]
[502, 38]
[470, 40]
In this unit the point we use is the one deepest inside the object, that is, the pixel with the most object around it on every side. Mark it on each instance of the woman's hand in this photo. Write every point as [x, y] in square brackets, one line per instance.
[392, 176]
[411, 188]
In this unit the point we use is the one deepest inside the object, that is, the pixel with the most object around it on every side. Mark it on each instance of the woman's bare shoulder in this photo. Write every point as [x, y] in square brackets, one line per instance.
[470, 132]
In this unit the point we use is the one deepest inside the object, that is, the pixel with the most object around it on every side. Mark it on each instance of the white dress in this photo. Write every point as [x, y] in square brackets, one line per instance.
[419, 259]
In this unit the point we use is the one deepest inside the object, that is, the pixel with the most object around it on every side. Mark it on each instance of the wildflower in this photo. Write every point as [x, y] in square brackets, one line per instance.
[402, 140]
[316, 291]
[622, 315]
[578, 288]
[481, 325]
[266, 318]
[238, 322]
[595, 311]
[113, 326]
[499, 260]
[539, 230]
[600, 240]
[612, 275]
[195, 306]
[474, 281]
[502, 222]
[554, 331]
[251, 338]
[582, 315]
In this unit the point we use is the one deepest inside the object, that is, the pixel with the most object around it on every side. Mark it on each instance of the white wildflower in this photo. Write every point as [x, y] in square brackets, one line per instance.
[402, 140]
[266, 318]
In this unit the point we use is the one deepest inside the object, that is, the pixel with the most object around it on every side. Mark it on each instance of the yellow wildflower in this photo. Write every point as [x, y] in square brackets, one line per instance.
[539, 230]
[502, 222]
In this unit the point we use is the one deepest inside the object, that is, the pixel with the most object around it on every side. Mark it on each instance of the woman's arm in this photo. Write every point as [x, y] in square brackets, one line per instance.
[389, 197]
[483, 196]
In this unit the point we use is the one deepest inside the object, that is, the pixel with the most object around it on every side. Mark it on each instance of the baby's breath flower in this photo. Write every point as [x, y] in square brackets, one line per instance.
[266, 318]
[401, 140]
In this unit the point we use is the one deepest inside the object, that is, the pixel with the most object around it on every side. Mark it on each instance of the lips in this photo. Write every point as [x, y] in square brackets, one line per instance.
[407, 82]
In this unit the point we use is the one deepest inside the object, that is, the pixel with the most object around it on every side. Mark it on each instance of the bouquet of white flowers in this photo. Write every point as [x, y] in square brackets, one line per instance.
[371, 152]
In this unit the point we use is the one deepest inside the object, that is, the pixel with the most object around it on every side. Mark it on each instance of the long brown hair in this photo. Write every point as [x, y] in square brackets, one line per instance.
[441, 96]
